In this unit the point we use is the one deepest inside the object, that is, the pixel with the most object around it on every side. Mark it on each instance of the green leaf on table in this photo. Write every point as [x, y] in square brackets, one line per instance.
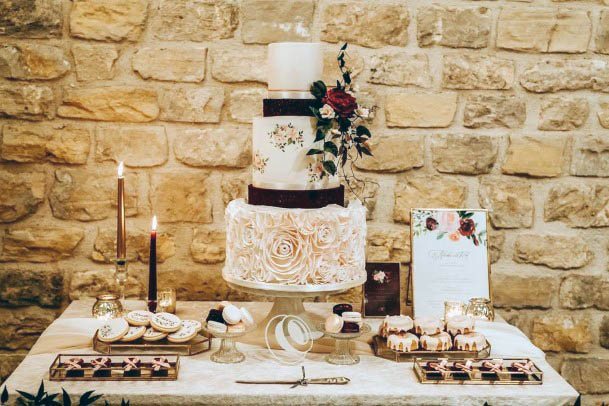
[86, 399]
[125, 402]
[330, 167]
[26, 395]
[4, 396]
[41, 393]
[331, 148]
[66, 398]
[314, 151]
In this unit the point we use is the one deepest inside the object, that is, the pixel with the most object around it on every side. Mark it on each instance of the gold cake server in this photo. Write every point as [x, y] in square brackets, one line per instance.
[338, 380]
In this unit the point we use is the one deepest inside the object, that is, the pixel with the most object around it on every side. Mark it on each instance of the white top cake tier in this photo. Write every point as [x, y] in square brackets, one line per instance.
[294, 66]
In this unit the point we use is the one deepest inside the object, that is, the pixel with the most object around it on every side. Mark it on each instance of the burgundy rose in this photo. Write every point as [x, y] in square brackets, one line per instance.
[431, 223]
[466, 227]
[342, 102]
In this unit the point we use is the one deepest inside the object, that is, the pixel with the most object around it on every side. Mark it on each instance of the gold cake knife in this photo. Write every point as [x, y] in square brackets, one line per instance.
[338, 380]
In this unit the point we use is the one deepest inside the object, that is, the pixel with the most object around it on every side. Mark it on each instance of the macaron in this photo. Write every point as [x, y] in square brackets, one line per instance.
[349, 327]
[352, 317]
[342, 307]
[334, 323]
[236, 328]
[246, 317]
[231, 314]
[216, 327]
[215, 315]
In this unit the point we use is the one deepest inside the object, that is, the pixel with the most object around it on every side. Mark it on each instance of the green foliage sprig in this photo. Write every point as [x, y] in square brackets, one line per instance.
[43, 398]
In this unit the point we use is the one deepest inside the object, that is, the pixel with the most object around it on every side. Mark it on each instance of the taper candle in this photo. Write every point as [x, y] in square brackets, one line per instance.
[152, 290]
[121, 236]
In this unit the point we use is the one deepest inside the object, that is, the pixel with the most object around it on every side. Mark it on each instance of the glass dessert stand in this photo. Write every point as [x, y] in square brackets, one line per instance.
[228, 352]
[288, 299]
[342, 354]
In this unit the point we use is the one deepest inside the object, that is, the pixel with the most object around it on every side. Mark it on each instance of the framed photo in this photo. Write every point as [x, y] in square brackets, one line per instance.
[450, 258]
[381, 294]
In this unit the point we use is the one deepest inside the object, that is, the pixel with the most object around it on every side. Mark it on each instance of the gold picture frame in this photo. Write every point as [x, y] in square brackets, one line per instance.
[411, 279]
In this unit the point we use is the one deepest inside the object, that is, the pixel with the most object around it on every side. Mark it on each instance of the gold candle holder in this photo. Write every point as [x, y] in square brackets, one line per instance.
[166, 300]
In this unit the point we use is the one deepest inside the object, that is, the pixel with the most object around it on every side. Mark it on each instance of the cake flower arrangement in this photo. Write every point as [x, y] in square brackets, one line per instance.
[339, 130]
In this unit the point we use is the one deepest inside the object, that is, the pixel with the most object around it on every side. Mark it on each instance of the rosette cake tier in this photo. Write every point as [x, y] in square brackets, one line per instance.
[294, 233]
[295, 247]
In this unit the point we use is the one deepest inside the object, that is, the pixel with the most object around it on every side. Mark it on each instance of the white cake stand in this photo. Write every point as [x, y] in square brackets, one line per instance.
[288, 299]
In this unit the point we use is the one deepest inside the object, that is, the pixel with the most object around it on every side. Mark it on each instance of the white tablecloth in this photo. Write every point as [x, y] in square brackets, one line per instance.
[373, 380]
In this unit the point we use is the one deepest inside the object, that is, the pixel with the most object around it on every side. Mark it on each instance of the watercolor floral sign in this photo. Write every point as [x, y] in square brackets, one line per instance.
[449, 258]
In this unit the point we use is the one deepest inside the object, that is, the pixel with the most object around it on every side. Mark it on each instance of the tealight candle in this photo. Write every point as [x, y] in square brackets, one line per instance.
[453, 308]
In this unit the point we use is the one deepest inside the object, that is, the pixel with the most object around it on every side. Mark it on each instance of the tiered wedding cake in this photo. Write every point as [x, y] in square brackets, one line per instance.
[294, 231]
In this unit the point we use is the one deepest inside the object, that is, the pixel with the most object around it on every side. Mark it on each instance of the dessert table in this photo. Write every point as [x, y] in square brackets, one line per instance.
[373, 381]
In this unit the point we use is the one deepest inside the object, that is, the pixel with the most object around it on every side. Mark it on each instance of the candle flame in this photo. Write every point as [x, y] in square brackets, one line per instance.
[154, 223]
[121, 168]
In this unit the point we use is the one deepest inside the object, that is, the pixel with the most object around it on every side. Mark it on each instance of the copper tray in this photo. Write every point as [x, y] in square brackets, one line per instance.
[379, 344]
[195, 346]
[58, 372]
[508, 376]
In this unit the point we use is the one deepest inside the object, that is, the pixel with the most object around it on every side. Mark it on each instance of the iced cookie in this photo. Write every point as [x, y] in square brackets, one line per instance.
[138, 318]
[192, 323]
[165, 322]
[153, 335]
[186, 333]
[134, 333]
[113, 330]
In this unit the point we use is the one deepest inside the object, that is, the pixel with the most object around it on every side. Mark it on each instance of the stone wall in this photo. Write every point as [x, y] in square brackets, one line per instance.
[495, 104]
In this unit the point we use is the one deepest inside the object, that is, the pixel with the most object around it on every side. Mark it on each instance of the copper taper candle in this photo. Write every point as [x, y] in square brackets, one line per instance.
[121, 234]
[152, 294]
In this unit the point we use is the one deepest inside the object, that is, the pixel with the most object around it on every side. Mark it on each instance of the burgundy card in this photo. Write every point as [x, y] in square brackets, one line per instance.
[382, 289]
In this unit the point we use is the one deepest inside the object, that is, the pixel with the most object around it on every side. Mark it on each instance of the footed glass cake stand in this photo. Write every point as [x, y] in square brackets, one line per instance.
[288, 299]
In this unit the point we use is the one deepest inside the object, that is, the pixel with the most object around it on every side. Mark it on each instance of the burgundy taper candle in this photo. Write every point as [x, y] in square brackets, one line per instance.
[152, 290]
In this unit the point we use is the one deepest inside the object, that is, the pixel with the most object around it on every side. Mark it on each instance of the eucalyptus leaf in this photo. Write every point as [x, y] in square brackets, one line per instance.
[344, 47]
[319, 135]
[362, 131]
[314, 151]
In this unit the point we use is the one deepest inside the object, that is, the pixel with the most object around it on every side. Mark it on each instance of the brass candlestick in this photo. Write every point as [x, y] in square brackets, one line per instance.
[120, 276]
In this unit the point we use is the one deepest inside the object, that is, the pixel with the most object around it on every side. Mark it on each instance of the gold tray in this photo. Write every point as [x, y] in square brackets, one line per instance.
[477, 377]
[379, 344]
[58, 372]
[195, 346]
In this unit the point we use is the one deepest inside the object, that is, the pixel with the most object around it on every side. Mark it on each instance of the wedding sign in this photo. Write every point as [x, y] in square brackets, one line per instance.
[450, 259]
[382, 289]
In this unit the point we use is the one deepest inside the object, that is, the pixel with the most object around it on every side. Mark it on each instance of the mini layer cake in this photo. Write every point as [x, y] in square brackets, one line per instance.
[404, 342]
[436, 342]
[428, 326]
[470, 342]
[395, 325]
[460, 325]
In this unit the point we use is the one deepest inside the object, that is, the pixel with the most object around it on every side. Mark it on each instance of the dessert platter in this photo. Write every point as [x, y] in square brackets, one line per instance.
[511, 371]
[228, 322]
[127, 367]
[401, 338]
[143, 331]
[294, 238]
[344, 325]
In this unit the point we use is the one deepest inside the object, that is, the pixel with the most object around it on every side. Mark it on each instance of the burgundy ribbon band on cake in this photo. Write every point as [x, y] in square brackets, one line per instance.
[296, 199]
[287, 107]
